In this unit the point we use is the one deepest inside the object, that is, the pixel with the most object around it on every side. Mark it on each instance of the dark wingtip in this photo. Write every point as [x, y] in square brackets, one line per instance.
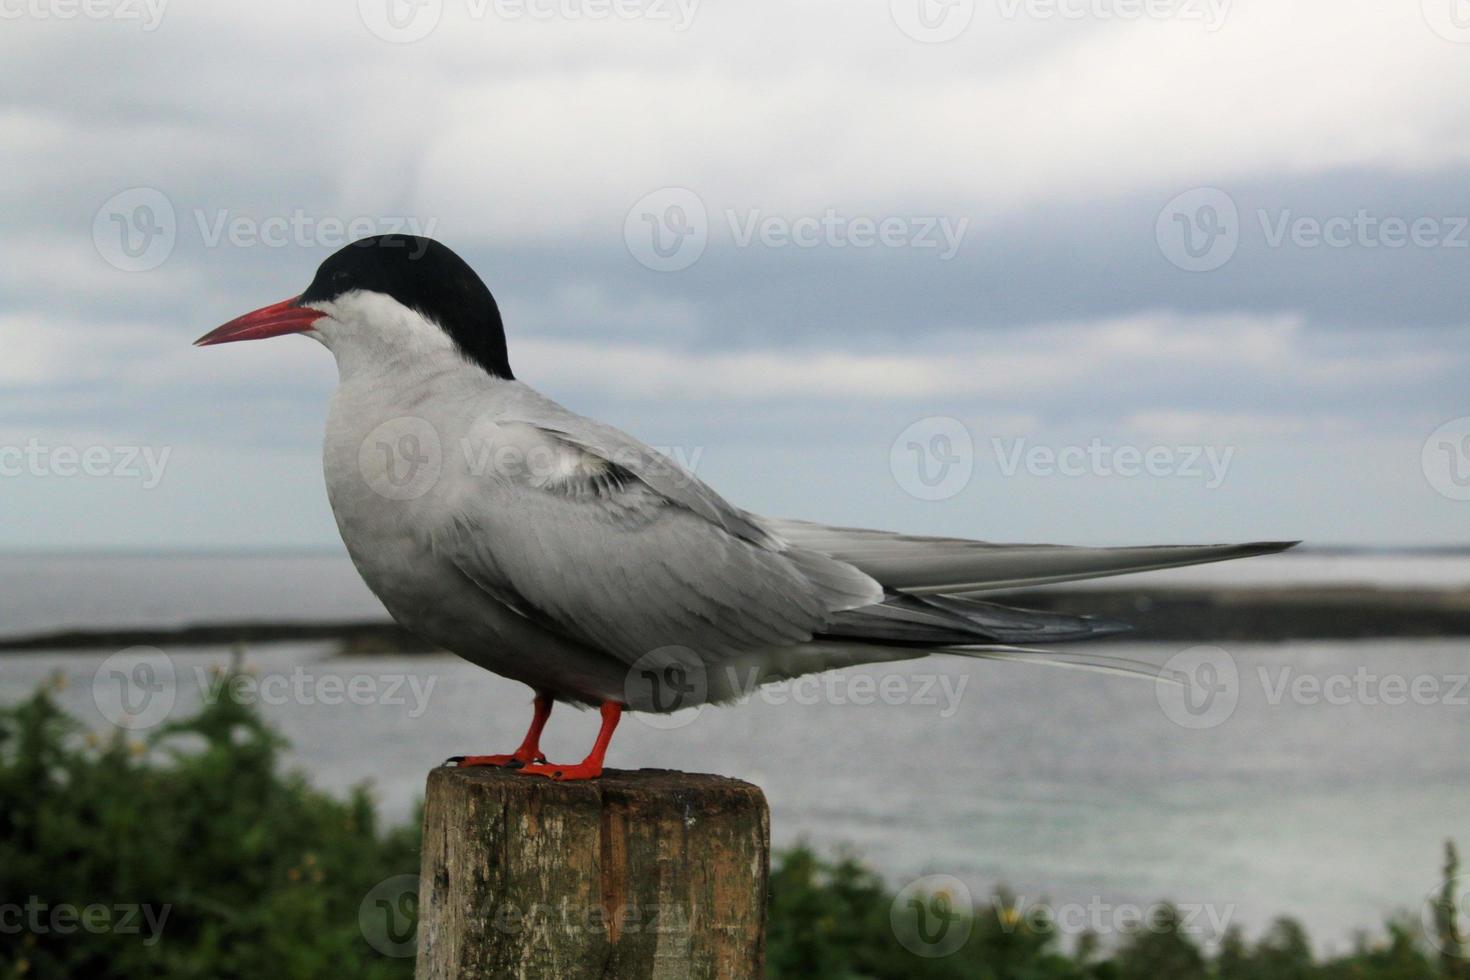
[1107, 627]
[1270, 547]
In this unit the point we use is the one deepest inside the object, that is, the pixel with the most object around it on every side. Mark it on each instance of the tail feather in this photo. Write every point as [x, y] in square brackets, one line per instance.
[832, 654]
[913, 620]
[1096, 663]
[927, 605]
[926, 565]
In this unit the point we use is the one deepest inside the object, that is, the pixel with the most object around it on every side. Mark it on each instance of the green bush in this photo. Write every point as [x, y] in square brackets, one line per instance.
[830, 921]
[238, 870]
[196, 857]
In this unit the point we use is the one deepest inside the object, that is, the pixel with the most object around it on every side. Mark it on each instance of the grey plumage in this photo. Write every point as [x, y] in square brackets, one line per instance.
[940, 620]
[565, 554]
[573, 552]
[928, 565]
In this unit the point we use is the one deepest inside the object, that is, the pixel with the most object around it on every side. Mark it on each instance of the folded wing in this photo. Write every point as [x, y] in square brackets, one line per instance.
[602, 547]
[954, 566]
[615, 546]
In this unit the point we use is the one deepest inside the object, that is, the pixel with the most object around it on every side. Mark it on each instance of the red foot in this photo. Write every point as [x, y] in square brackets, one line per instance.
[566, 774]
[590, 767]
[529, 751]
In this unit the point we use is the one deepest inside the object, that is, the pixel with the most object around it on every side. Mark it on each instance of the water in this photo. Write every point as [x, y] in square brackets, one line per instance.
[53, 592]
[1070, 786]
[40, 593]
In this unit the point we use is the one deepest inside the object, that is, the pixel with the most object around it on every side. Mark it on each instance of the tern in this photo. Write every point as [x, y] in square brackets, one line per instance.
[560, 552]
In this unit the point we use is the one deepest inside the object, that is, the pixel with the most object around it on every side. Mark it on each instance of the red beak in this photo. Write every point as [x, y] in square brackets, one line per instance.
[268, 321]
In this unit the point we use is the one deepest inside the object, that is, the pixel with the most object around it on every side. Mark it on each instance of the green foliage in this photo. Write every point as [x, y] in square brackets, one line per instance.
[191, 853]
[830, 920]
[1453, 946]
[196, 857]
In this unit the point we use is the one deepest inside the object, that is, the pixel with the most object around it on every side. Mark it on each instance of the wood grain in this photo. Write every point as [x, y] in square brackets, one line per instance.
[646, 874]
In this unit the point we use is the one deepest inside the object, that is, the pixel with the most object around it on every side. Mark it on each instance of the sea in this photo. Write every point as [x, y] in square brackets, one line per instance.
[1316, 780]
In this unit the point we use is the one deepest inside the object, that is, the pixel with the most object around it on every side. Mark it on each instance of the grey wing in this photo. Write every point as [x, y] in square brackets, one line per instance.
[623, 550]
[953, 566]
[629, 557]
[656, 471]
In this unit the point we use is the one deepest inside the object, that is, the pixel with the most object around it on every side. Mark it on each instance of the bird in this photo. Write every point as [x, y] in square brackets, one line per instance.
[560, 552]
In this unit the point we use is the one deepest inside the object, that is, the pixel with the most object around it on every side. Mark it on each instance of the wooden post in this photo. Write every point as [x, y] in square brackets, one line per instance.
[645, 874]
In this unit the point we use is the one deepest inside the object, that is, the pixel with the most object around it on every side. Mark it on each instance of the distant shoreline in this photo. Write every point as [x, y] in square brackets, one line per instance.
[1255, 613]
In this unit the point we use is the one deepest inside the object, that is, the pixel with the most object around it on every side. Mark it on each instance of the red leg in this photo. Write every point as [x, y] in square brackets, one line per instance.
[530, 749]
[590, 767]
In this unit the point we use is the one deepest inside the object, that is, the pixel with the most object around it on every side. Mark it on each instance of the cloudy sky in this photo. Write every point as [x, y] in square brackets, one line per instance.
[1088, 271]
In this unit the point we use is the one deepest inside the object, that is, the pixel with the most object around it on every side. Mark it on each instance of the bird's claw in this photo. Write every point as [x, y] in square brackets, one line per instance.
[581, 770]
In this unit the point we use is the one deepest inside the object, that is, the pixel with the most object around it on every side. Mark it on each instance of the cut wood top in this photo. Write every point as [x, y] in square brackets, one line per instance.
[663, 784]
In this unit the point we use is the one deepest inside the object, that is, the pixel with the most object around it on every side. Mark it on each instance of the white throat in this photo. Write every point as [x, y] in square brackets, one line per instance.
[370, 333]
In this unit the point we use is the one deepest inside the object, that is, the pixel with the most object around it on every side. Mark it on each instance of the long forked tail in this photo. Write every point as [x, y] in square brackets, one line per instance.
[983, 630]
[942, 620]
[954, 566]
[930, 584]
[1099, 663]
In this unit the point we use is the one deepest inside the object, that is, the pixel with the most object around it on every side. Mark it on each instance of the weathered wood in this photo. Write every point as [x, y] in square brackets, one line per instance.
[633, 875]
